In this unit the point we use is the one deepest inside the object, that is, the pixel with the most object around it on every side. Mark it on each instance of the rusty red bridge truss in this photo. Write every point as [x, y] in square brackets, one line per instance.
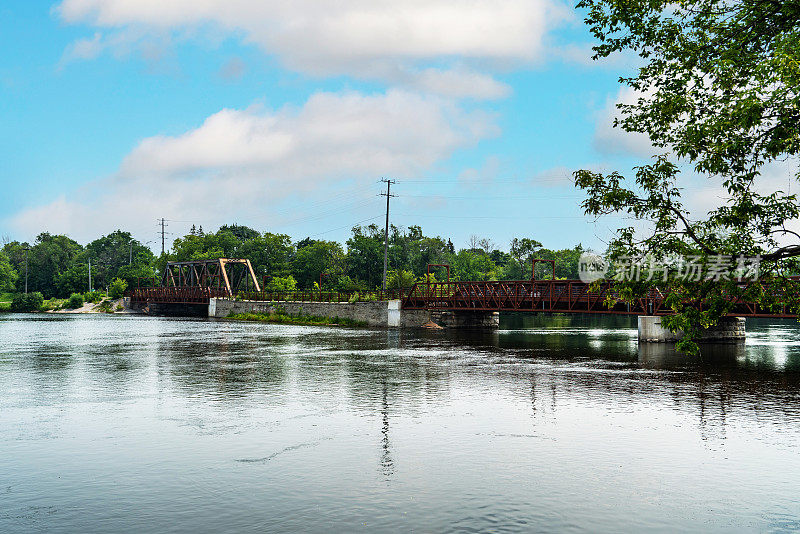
[196, 282]
[553, 296]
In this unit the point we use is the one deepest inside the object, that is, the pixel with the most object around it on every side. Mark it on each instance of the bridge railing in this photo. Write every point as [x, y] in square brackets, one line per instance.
[558, 296]
[531, 295]
[174, 295]
[321, 296]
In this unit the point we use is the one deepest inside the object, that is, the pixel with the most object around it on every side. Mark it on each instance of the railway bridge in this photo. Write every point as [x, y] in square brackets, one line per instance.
[186, 288]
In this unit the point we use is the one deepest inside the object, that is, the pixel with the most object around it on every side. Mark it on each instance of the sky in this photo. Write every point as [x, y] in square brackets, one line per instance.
[285, 116]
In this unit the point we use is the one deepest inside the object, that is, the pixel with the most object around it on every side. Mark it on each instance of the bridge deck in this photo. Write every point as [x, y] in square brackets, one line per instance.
[550, 296]
[554, 296]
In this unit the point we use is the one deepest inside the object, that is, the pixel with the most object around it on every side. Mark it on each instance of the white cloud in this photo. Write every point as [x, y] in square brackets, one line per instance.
[611, 140]
[458, 83]
[363, 38]
[246, 162]
[347, 134]
[83, 49]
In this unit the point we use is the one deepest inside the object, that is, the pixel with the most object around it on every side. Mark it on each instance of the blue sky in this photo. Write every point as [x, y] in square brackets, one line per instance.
[284, 117]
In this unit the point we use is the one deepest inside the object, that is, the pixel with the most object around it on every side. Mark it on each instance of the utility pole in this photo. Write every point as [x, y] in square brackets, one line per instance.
[388, 195]
[27, 248]
[130, 254]
[162, 236]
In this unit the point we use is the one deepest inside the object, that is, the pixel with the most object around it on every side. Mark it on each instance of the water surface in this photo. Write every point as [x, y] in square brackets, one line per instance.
[125, 424]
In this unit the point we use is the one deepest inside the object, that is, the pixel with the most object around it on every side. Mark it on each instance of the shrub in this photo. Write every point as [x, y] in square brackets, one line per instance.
[75, 301]
[51, 304]
[278, 283]
[27, 303]
[117, 288]
[94, 297]
[399, 279]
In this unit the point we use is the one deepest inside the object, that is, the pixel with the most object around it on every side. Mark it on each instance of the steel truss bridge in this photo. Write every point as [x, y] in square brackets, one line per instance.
[196, 282]
[550, 296]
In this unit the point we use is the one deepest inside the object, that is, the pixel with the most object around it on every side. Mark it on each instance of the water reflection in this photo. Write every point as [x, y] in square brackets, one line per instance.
[552, 423]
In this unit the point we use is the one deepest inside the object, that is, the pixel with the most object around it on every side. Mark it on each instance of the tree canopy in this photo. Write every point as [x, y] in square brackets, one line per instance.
[717, 92]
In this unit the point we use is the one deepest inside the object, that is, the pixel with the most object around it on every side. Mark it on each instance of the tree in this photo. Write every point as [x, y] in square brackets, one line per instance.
[400, 279]
[49, 256]
[280, 284]
[270, 254]
[719, 90]
[8, 276]
[242, 233]
[117, 288]
[112, 254]
[27, 302]
[470, 265]
[365, 255]
[429, 250]
[321, 257]
[74, 279]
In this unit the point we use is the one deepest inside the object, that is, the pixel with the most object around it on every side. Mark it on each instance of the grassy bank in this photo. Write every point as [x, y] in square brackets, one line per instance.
[5, 301]
[279, 317]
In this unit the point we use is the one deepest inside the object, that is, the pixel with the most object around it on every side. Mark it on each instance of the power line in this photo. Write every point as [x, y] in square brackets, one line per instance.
[509, 197]
[514, 217]
[346, 226]
[324, 214]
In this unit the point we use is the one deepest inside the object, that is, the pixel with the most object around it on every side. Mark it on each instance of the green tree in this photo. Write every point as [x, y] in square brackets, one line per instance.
[111, 254]
[74, 279]
[117, 288]
[270, 254]
[326, 257]
[140, 273]
[718, 88]
[8, 276]
[27, 302]
[49, 256]
[278, 283]
[242, 233]
[400, 279]
[470, 265]
[365, 255]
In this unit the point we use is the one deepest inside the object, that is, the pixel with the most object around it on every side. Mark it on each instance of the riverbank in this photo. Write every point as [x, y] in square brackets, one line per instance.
[277, 317]
[108, 306]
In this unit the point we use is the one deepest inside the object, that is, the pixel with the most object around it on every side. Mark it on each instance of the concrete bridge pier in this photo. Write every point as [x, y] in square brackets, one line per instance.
[729, 330]
[466, 319]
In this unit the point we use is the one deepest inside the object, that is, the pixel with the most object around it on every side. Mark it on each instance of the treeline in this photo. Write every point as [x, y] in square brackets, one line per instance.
[59, 266]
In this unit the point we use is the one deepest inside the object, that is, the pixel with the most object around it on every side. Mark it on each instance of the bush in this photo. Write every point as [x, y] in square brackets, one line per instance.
[117, 288]
[52, 304]
[27, 303]
[75, 301]
[399, 279]
[277, 283]
[94, 297]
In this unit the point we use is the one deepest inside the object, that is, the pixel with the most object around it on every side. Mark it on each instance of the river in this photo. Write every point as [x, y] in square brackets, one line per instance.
[551, 424]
